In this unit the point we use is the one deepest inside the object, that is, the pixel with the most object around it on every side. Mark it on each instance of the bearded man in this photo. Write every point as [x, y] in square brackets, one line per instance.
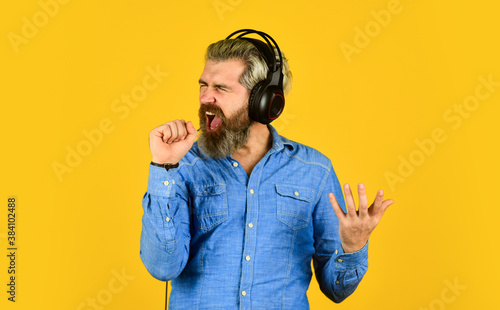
[235, 218]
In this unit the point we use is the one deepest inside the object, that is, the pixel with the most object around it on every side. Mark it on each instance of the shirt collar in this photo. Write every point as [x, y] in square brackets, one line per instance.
[279, 141]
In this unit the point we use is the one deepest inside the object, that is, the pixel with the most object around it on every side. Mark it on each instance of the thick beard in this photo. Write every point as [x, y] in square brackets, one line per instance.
[232, 134]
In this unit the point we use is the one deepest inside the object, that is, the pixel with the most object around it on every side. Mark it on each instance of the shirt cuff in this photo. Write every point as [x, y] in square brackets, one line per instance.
[161, 181]
[351, 260]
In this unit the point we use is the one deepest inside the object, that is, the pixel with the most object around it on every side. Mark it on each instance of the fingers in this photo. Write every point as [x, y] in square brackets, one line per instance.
[162, 132]
[380, 205]
[171, 132]
[385, 204]
[172, 128]
[363, 202]
[178, 131]
[377, 202]
[349, 201]
[338, 210]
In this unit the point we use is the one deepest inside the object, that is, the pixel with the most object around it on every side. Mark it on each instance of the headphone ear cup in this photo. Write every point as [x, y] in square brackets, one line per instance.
[276, 103]
[265, 103]
[254, 102]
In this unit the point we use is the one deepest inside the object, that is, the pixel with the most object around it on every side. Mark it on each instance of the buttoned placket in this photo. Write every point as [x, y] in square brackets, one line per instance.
[240, 173]
[249, 245]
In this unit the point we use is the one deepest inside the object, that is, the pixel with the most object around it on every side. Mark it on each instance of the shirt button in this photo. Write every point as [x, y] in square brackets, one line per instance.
[173, 182]
[247, 258]
[250, 225]
[337, 282]
[336, 251]
[166, 183]
[252, 191]
[244, 293]
[168, 219]
[340, 260]
[235, 164]
[296, 193]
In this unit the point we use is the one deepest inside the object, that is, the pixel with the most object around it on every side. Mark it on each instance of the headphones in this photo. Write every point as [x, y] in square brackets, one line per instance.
[266, 100]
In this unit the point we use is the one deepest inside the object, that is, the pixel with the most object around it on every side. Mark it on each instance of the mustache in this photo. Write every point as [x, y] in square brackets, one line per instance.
[204, 108]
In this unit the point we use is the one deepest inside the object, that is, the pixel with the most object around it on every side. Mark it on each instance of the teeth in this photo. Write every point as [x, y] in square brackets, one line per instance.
[210, 113]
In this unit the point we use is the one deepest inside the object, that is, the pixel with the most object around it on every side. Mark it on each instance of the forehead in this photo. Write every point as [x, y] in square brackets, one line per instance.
[228, 71]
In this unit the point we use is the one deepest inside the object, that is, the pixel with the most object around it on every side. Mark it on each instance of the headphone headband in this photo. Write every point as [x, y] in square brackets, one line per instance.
[266, 37]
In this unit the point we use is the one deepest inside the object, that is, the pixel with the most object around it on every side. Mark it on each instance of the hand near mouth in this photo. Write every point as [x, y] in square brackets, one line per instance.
[170, 142]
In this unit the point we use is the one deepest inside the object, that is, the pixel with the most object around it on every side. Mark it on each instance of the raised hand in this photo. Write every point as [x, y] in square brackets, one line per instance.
[171, 141]
[355, 227]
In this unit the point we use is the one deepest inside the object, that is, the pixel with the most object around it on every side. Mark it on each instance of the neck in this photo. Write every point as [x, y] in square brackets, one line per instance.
[258, 144]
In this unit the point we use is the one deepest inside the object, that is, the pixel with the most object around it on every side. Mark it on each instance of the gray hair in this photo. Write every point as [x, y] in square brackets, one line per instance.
[255, 65]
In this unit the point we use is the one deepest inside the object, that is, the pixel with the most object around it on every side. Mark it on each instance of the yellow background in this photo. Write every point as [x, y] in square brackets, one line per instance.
[363, 110]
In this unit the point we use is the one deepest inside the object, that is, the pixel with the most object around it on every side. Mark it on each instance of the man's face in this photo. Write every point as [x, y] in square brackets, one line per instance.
[225, 124]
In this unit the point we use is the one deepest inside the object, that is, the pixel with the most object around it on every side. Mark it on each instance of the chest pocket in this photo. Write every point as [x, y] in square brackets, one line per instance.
[294, 205]
[209, 205]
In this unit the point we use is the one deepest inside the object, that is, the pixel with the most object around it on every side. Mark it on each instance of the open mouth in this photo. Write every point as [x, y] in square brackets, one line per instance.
[213, 121]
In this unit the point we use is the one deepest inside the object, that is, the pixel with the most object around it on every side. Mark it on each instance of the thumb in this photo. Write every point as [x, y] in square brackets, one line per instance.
[192, 133]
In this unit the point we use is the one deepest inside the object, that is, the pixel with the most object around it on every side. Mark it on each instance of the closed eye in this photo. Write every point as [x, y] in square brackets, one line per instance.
[202, 83]
[220, 87]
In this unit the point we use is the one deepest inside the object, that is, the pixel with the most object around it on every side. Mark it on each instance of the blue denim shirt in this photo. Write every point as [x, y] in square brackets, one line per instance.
[232, 241]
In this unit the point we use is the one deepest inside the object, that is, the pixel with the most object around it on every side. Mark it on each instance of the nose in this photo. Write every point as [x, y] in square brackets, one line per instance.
[207, 96]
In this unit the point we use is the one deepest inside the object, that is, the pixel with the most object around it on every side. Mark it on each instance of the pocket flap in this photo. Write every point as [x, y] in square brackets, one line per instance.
[208, 190]
[300, 193]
